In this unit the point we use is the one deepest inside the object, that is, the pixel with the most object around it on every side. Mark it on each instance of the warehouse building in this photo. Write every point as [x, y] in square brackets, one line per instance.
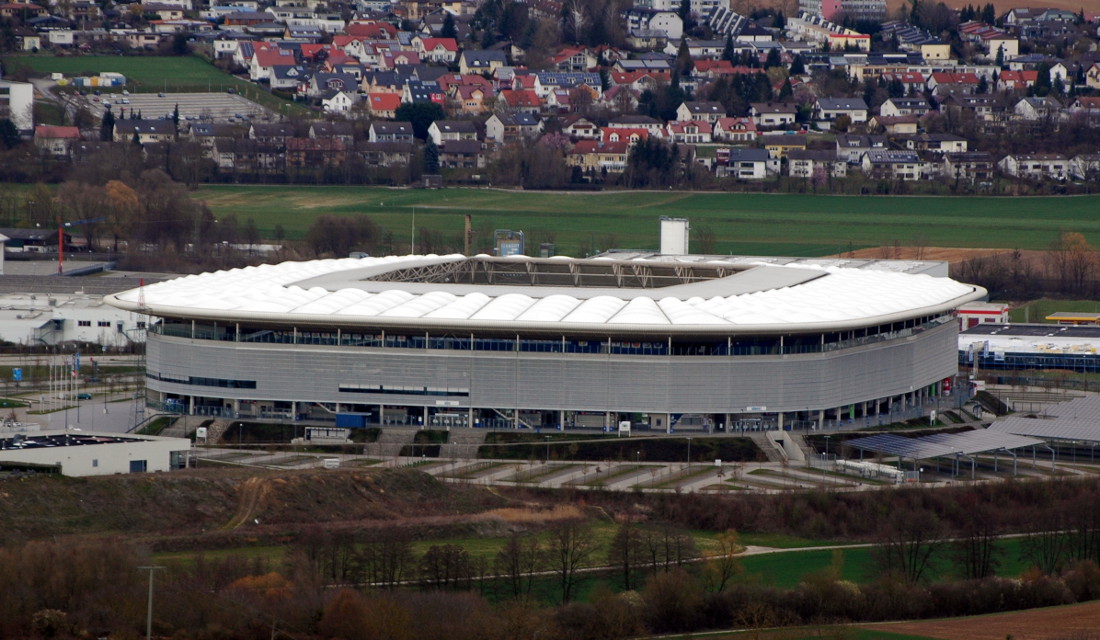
[85, 453]
[660, 340]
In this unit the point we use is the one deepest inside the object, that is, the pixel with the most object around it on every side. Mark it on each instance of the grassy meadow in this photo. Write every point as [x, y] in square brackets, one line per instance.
[753, 224]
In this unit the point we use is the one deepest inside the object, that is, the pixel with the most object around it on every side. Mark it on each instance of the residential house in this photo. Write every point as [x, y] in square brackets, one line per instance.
[808, 163]
[1092, 76]
[470, 98]
[519, 100]
[579, 128]
[1016, 80]
[829, 109]
[851, 147]
[889, 164]
[694, 110]
[383, 105]
[442, 131]
[734, 130]
[386, 154]
[55, 140]
[147, 131]
[574, 59]
[336, 129]
[780, 144]
[621, 98]
[480, 61]
[773, 115]
[509, 127]
[1035, 109]
[266, 58]
[1085, 166]
[893, 125]
[744, 164]
[654, 126]
[937, 143]
[276, 133]
[1035, 166]
[912, 82]
[941, 83]
[690, 132]
[418, 91]
[914, 106]
[390, 132]
[315, 152]
[338, 101]
[461, 154]
[547, 82]
[439, 50]
[594, 156]
[288, 77]
[972, 166]
[618, 134]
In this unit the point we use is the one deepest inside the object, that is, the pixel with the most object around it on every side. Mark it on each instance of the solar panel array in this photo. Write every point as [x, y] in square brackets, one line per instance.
[941, 445]
[1078, 419]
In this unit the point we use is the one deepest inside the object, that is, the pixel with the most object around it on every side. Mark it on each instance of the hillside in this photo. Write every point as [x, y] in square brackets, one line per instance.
[214, 507]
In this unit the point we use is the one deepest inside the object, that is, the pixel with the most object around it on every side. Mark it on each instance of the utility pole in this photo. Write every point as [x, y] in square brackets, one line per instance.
[149, 609]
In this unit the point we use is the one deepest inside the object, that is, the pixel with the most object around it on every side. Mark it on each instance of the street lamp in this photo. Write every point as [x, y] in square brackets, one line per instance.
[689, 452]
[827, 447]
[547, 449]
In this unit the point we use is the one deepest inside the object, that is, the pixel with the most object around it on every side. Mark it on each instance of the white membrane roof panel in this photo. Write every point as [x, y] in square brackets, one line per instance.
[760, 296]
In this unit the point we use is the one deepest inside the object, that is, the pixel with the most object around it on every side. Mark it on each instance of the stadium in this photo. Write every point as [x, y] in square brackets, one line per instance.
[661, 341]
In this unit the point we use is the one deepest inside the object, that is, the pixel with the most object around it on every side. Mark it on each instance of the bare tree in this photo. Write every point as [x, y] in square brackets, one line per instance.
[908, 543]
[518, 560]
[571, 546]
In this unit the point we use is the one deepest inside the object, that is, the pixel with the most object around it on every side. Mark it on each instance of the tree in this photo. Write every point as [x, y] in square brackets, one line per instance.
[683, 64]
[625, 552]
[107, 127]
[974, 548]
[176, 116]
[908, 542]
[339, 235]
[421, 115]
[773, 58]
[727, 50]
[251, 234]
[9, 135]
[445, 567]
[431, 158]
[518, 561]
[723, 564]
[1072, 259]
[571, 545]
[124, 209]
[798, 67]
[448, 29]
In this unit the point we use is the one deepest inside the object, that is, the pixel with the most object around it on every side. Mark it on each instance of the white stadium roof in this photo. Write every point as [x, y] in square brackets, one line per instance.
[735, 298]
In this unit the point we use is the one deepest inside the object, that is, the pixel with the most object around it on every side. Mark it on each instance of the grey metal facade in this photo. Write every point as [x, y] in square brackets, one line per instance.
[555, 381]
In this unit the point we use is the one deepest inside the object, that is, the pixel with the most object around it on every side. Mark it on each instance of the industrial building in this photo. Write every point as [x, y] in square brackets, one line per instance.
[662, 341]
[56, 318]
[85, 453]
[1069, 347]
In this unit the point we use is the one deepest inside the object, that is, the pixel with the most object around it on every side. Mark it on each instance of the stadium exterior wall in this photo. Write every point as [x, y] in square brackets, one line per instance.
[553, 381]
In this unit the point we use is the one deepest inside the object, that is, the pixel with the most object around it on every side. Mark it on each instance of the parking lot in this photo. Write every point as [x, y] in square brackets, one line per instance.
[214, 106]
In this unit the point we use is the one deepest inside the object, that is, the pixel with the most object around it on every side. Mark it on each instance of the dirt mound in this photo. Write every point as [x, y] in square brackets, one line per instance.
[220, 502]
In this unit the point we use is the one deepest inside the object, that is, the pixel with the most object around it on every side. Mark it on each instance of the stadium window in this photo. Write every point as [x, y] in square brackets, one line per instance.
[83, 323]
[103, 323]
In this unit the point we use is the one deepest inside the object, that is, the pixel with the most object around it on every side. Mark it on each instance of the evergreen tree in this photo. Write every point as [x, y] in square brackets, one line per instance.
[431, 158]
[448, 30]
[107, 127]
[683, 59]
[135, 140]
[773, 58]
[1000, 62]
[780, 21]
[176, 116]
[983, 85]
[989, 14]
[797, 66]
[9, 134]
[727, 51]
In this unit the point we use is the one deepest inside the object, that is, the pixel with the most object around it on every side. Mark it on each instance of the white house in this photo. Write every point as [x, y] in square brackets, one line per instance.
[17, 104]
[1037, 166]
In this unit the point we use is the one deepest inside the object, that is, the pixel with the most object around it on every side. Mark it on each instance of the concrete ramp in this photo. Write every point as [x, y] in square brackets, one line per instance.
[784, 441]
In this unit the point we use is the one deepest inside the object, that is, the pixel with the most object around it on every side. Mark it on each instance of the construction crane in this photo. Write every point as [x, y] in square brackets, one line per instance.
[61, 226]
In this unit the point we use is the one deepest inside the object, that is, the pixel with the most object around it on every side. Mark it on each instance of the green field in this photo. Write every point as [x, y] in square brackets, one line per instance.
[1038, 310]
[187, 74]
[752, 224]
